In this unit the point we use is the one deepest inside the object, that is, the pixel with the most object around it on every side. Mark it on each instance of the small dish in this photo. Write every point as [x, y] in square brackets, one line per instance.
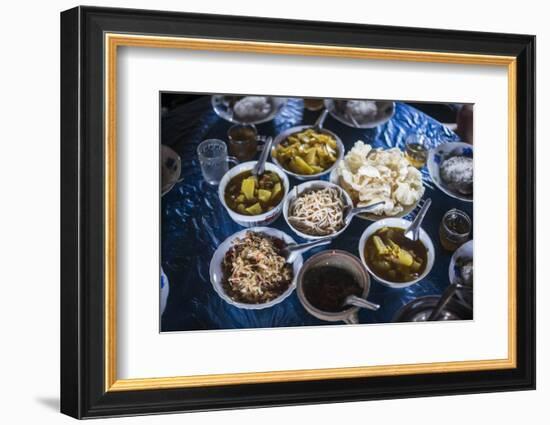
[419, 310]
[216, 269]
[164, 290]
[439, 154]
[223, 106]
[384, 112]
[403, 224]
[465, 251]
[253, 220]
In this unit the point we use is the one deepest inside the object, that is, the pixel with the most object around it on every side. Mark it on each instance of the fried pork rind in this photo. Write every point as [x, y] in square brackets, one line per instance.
[373, 175]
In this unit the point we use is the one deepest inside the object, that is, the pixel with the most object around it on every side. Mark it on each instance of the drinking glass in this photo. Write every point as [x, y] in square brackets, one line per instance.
[214, 160]
[416, 149]
[243, 143]
[313, 104]
[454, 229]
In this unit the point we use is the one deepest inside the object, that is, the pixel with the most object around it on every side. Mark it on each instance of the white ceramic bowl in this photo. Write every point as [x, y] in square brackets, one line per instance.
[164, 290]
[440, 153]
[216, 270]
[253, 220]
[304, 187]
[466, 250]
[282, 137]
[403, 224]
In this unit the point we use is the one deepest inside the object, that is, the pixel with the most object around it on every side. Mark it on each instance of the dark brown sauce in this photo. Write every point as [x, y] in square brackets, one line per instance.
[327, 287]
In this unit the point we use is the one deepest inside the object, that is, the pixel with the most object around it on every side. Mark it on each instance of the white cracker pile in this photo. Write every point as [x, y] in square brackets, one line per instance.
[373, 175]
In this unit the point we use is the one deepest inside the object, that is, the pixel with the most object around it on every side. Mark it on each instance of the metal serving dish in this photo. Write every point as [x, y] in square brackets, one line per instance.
[318, 127]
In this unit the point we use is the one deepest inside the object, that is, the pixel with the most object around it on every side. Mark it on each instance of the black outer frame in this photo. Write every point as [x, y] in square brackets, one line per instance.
[82, 207]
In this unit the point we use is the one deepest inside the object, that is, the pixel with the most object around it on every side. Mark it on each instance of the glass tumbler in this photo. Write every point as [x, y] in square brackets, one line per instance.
[243, 143]
[454, 229]
[214, 160]
[416, 149]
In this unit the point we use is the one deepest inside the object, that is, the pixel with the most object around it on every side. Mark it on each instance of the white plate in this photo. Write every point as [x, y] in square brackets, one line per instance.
[164, 290]
[437, 155]
[466, 250]
[386, 110]
[225, 111]
[333, 178]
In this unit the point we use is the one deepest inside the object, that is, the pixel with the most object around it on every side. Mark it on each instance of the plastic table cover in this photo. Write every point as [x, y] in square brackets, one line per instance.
[194, 223]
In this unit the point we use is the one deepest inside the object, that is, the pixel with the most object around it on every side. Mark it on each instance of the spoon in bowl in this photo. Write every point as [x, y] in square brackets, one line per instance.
[259, 167]
[350, 211]
[291, 252]
[356, 301]
[413, 231]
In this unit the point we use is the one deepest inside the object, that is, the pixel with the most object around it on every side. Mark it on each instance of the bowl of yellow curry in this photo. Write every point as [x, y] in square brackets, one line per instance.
[253, 200]
[307, 152]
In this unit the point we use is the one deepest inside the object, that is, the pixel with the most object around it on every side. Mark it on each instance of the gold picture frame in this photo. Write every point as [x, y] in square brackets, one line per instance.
[114, 41]
[91, 40]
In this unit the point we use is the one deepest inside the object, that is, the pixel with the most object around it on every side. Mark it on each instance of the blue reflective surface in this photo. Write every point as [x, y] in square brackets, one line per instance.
[193, 221]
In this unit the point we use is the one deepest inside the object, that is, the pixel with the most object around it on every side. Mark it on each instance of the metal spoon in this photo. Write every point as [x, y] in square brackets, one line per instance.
[350, 212]
[318, 126]
[291, 252]
[356, 301]
[414, 229]
[445, 298]
[259, 167]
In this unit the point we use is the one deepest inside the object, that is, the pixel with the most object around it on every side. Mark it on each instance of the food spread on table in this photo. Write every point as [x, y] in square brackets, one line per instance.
[256, 266]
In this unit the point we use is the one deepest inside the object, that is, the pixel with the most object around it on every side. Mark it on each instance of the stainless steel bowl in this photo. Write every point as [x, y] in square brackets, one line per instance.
[318, 127]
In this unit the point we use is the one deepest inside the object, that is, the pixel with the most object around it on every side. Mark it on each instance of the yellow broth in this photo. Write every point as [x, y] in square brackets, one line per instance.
[393, 257]
[250, 195]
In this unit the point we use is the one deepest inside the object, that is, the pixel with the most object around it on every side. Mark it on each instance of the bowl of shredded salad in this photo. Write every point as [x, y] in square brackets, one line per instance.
[249, 271]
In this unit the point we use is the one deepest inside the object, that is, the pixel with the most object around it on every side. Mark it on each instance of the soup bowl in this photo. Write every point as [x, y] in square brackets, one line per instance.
[339, 259]
[401, 224]
[253, 220]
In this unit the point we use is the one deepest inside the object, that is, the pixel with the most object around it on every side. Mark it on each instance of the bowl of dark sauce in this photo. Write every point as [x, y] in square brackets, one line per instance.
[327, 279]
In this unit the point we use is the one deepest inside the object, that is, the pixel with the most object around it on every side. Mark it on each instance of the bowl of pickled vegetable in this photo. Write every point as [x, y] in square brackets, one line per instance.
[306, 152]
[253, 200]
[392, 259]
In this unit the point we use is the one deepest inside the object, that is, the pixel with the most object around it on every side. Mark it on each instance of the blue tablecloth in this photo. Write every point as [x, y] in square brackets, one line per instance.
[194, 222]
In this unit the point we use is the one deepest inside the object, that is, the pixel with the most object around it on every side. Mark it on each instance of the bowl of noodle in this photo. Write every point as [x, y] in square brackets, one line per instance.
[317, 209]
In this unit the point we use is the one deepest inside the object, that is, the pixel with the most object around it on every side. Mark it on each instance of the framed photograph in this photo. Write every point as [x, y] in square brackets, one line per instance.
[261, 212]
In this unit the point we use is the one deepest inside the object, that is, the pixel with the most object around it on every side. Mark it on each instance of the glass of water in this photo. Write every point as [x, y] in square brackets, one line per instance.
[214, 160]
